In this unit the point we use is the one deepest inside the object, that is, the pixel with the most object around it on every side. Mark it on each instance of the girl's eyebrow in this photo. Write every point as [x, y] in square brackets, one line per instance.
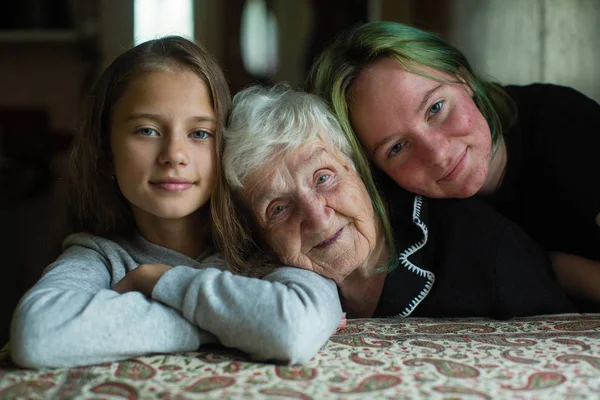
[202, 118]
[158, 117]
[426, 98]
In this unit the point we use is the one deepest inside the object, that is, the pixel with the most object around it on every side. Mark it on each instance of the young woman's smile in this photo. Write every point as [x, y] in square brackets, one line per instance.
[456, 167]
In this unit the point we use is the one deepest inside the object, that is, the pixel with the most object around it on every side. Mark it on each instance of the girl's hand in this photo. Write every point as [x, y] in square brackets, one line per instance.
[142, 279]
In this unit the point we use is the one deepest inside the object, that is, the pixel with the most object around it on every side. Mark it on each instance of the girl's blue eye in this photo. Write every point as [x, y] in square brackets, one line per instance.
[200, 135]
[147, 132]
[323, 179]
[436, 108]
[396, 149]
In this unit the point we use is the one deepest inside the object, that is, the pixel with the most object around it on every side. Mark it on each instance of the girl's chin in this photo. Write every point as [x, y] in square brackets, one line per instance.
[460, 191]
[469, 191]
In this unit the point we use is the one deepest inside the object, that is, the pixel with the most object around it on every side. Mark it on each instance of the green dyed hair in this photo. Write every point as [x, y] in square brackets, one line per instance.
[335, 70]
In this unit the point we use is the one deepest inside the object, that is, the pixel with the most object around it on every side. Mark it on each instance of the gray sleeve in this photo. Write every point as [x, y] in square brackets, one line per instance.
[287, 316]
[71, 317]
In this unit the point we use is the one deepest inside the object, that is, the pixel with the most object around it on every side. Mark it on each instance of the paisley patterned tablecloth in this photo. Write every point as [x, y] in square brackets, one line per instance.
[529, 358]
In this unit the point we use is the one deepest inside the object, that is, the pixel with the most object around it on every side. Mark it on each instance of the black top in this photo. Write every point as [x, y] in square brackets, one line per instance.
[460, 258]
[552, 181]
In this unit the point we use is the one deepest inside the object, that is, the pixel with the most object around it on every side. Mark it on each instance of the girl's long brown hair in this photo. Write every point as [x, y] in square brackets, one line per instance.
[96, 204]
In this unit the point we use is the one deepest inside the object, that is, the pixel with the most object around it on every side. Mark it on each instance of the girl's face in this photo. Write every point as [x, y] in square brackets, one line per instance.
[162, 143]
[428, 136]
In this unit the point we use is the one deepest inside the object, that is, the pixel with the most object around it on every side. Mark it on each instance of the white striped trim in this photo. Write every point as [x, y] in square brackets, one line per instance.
[412, 267]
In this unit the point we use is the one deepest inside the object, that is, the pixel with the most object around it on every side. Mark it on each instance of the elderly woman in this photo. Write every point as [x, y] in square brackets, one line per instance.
[304, 204]
[437, 128]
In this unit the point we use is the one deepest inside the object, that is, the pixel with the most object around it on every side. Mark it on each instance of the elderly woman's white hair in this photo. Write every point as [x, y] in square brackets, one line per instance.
[268, 121]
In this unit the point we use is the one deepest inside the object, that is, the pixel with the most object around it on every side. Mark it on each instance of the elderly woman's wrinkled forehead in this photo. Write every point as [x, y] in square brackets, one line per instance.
[268, 122]
[295, 169]
[313, 149]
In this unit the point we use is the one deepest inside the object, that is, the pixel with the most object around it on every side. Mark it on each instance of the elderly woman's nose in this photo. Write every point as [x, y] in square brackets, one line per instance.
[174, 151]
[316, 214]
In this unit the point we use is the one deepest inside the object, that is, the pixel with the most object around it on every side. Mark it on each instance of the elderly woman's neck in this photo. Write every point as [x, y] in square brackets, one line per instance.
[360, 291]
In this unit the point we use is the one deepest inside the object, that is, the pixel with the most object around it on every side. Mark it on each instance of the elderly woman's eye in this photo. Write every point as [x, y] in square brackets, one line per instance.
[277, 209]
[322, 179]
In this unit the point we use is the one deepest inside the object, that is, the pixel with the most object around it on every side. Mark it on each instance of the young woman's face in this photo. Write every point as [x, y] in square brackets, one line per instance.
[162, 143]
[313, 211]
[428, 136]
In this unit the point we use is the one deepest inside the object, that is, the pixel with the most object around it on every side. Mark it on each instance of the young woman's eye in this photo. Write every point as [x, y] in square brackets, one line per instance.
[200, 135]
[436, 108]
[396, 149]
[147, 132]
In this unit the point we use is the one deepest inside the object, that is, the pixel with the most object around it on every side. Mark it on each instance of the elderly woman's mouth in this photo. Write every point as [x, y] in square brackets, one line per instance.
[329, 241]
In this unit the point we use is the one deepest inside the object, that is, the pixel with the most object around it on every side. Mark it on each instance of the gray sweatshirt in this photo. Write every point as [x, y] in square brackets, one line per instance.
[72, 317]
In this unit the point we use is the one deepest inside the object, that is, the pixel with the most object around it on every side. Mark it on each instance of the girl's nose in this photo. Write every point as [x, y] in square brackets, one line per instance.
[174, 152]
[434, 147]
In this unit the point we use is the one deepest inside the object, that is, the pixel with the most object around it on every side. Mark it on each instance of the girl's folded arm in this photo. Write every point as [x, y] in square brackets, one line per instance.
[287, 316]
[71, 317]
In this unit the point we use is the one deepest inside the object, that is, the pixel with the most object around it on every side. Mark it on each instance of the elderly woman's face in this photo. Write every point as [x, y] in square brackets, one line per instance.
[313, 210]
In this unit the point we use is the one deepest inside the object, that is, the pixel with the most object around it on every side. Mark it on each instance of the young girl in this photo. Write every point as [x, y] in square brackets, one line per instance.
[142, 277]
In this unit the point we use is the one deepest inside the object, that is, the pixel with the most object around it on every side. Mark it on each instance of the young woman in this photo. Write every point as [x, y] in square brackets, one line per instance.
[142, 276]
[438, 129]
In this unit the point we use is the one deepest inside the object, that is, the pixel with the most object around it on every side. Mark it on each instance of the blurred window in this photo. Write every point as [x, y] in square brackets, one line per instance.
[155, 18]
[259, 39]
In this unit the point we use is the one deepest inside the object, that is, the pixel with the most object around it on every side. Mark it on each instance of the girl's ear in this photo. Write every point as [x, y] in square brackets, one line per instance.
[461, 74]
[470, 91]
[468, 88]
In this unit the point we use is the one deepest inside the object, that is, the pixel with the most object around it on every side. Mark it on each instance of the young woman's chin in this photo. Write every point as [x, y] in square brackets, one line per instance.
[465, 189]
[453, 190]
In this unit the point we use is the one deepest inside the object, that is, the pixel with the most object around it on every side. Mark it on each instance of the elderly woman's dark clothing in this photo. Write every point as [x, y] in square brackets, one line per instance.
[461, 258]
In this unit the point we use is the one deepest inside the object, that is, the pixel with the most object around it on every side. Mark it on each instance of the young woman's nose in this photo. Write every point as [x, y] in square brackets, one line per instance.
[434, 147]
[174, 151]
[316, 214]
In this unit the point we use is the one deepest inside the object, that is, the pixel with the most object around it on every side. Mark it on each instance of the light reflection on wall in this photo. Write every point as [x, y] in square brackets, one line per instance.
[155, 18]
[259, 39]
